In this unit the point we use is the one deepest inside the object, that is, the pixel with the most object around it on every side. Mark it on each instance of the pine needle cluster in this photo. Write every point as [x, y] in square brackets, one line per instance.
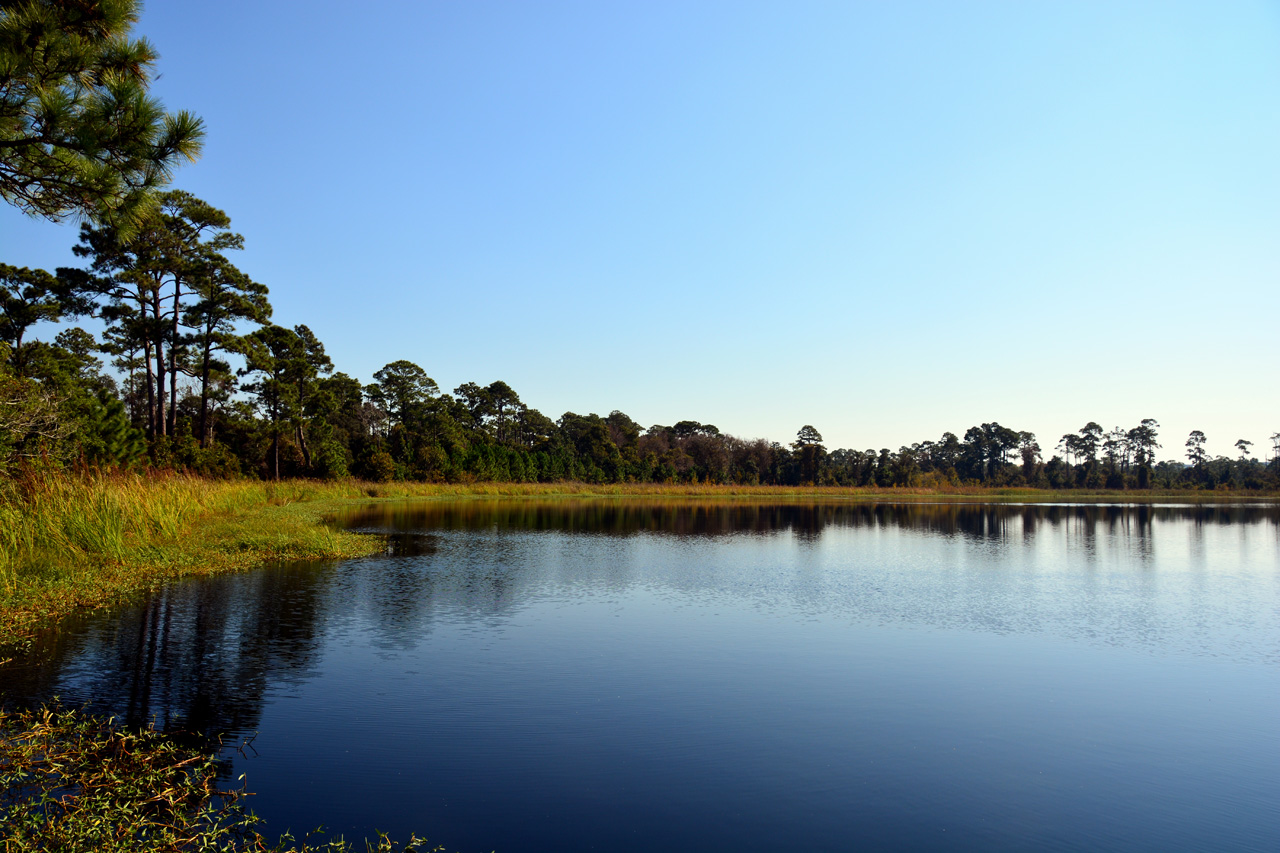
[79, 133]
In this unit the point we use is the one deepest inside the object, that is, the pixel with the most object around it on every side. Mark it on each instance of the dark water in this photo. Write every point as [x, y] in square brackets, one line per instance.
[629, 675]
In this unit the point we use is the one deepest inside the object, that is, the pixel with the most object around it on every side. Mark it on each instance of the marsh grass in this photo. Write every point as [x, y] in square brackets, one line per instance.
[89, 540]
[70, 541]
[74, 782]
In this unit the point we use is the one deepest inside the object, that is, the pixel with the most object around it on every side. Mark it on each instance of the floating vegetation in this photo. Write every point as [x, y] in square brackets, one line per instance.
[70, 781]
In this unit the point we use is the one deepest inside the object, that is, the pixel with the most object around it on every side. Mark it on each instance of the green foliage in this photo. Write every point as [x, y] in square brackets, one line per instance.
[331, 460]
[147, 280]
[183, 453]
[76, 782]
[809, 454]
[402, 387]
[79, 134]
[30, 418]
[303, 420]
[85, 539]
[379, 467]
[30, 296]
[275, 356]
[108, 439]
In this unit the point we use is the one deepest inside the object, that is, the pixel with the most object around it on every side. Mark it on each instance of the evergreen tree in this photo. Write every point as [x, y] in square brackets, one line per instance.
[271, 356]
[108, 438]
[30, 296]
[79, 133]
[1195, 449]
[809, 453]
[175, 254]
[224, 296]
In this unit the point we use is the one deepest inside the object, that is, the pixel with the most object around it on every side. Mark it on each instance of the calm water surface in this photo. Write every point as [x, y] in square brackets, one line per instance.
[629, 675]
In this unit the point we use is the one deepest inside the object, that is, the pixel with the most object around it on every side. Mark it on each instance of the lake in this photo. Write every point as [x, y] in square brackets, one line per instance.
[632, 674]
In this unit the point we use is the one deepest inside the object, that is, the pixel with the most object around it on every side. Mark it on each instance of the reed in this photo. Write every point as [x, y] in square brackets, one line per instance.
[70, 541]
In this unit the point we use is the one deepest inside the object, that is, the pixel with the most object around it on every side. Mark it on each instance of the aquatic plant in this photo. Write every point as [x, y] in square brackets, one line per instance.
[70, 781]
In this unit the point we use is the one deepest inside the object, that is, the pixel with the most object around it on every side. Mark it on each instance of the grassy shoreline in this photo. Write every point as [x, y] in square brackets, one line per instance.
[71, 542]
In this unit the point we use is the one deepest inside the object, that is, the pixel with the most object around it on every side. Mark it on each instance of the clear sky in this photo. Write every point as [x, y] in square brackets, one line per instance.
[887, 220]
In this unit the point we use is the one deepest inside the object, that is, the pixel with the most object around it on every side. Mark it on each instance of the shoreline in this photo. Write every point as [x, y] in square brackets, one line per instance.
[76, 543]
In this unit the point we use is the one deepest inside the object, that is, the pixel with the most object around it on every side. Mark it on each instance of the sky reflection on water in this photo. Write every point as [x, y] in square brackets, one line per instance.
[623, 674]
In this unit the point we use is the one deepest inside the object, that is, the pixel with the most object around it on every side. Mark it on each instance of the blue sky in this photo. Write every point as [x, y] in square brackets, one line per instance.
[883, 219]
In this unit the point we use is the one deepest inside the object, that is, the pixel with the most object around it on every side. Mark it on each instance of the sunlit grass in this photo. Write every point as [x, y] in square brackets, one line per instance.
[74, 541]
[87, 540]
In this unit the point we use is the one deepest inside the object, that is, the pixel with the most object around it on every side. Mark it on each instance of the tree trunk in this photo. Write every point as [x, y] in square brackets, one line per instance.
[204, 392]
[151, 396]
[158, 316]
[173, 390]
[275, 438]
[16, 358]
[302, 444]
[173, 360]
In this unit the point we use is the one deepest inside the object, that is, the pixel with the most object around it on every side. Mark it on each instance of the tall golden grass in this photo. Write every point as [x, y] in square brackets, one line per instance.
[89, 539]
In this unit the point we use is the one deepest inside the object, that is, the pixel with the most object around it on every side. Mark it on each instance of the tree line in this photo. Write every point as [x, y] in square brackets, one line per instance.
[203, 380]
[199, 393]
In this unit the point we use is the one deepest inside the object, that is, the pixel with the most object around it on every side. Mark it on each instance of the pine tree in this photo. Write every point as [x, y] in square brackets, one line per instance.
[79, 134]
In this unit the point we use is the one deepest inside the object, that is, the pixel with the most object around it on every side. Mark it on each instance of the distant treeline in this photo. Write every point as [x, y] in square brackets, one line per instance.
[200, 394]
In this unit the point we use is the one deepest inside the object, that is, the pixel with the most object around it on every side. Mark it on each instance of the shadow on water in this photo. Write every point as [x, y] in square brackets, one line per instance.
[195, 656]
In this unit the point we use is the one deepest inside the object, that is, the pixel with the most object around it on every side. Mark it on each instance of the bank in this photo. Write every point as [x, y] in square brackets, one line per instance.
[75, 542]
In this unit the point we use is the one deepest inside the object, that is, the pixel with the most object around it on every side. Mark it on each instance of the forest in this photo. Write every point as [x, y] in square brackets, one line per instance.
[193, 372]
[208, 384]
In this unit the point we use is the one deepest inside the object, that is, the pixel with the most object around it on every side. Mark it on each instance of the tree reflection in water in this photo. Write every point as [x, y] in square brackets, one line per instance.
[200, 655]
